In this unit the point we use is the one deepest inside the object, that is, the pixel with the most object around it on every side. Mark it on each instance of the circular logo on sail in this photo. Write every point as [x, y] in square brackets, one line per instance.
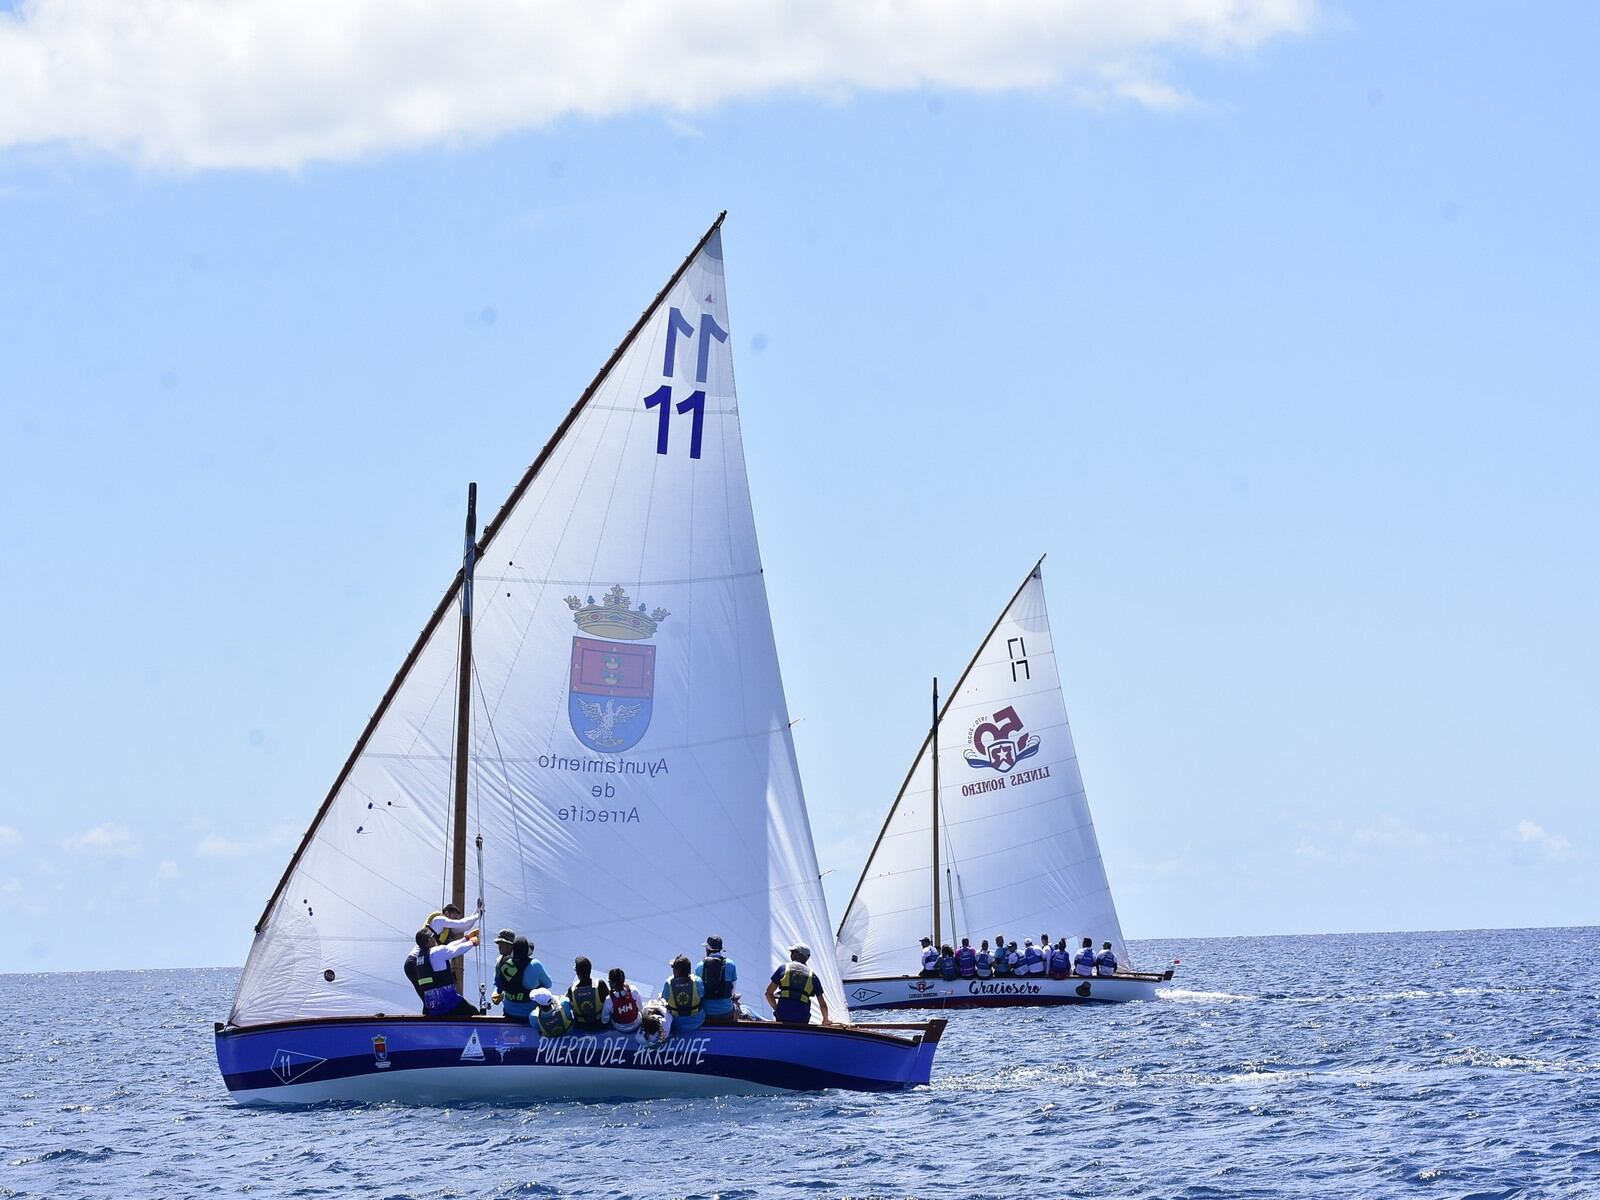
[613, 678]
[999, 742]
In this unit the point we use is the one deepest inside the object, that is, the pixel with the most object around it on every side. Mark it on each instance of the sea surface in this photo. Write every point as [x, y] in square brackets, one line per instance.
[1419, 1064]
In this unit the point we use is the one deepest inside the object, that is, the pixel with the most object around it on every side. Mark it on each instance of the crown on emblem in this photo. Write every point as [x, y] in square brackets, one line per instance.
[614, 618]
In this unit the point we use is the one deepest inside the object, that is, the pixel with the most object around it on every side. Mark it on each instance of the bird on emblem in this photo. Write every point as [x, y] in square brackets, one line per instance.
[606, 718]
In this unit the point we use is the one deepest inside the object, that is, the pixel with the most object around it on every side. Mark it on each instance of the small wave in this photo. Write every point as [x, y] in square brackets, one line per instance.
[1185, 996]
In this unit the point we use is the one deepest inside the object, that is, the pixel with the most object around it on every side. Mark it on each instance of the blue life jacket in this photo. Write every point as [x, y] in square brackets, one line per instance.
[713, 975]
[984, 964]
[930, 960]
[966, 961]
[947, 967]
[554, 1020]
[1031, 958]
[1060, 963]
[1085, 961]
[1106, 962]
[1002, 962]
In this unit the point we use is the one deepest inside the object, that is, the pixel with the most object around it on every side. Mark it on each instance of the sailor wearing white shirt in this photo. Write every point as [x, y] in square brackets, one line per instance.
[930, 958]
[624, 1006]
[448, 925]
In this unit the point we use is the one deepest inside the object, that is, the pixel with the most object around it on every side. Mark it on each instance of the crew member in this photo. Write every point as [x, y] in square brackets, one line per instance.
[428, 968]
[983, 965]
[655, 1025]
[967, 960]
[1060, 961]
[685, 997]
[1105, 963]
[446, 923]
[516, 975]
[930, 959]
[588, 999]
[1032, 961]
[794, 985]
[624, 1006]
[1085, 959]
[717, 975]
[947, 963]
[1002, 960]
[553, 1016]
[1014, 959]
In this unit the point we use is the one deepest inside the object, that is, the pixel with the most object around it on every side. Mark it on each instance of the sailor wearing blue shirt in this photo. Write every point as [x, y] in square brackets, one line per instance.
[685, 997]
[1105, 963]
[717, 975]
[794, 986]
[517, 975]
[1084, 963]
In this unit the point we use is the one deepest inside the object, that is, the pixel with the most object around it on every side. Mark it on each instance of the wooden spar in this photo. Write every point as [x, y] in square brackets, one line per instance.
[489, 531]
[927, 743]
[933, 742]
[458, 823]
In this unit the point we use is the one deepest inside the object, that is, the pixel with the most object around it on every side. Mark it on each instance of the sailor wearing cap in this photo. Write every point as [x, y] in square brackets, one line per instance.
[553, 1013]
[1105, 963]
[930, 958]
[717, 974]
[516, 975]
[794, 986]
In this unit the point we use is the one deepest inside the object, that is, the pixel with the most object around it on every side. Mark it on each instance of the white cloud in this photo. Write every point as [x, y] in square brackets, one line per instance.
[216, 846]
[1552, 846]
[9, 837]
[1391, 833]
[166, 869]
[104, 841]
[277, 85]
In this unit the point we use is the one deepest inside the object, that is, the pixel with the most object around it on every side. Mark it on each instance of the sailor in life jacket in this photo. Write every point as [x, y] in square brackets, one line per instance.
[685, 997]
[1085, 960]
[552, 1015]
[1061, 961]
[1105, 963]
[983, 965]
[717, 975]
[515, 976]
[966, 960]
[948, 968]
[1013, 959]
[428, 968]
[794, 986]
[1002, 965]
[588, 998]
[1032, 961]
[930, 958]
[624, 1006]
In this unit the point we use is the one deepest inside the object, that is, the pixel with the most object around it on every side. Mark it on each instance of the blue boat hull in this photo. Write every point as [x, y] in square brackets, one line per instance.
[423, 1061]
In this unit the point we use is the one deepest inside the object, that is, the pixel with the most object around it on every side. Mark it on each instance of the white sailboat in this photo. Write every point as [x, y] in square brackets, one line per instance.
[590, 742]
[990, 835]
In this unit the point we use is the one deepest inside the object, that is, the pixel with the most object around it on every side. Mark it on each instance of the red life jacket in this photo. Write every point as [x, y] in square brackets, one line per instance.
[624, 1008]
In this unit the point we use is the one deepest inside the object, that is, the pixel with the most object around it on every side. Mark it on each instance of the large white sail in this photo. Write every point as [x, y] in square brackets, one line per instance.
[1017, 849]
[633, 776]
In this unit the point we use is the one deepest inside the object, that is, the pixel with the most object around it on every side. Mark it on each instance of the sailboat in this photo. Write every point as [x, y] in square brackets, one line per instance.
[990, 835]
[589, 743]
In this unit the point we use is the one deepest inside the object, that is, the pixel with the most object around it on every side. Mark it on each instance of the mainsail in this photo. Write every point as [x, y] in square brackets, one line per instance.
[633, 778]
[1017, 853]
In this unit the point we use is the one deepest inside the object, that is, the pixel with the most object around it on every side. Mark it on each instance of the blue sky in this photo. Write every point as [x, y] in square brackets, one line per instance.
[1287, 364]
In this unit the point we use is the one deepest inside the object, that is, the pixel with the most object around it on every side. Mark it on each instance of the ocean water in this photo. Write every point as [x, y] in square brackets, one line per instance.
[1420, 1064]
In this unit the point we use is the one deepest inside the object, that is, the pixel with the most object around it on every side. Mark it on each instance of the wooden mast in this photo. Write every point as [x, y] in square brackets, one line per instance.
[933, 742]
[458, 823]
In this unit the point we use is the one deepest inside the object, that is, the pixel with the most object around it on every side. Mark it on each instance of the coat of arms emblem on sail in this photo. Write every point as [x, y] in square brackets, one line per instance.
[612, 689]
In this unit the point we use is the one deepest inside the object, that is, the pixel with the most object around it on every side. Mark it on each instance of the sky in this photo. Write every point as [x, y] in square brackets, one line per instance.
[1271, 324]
